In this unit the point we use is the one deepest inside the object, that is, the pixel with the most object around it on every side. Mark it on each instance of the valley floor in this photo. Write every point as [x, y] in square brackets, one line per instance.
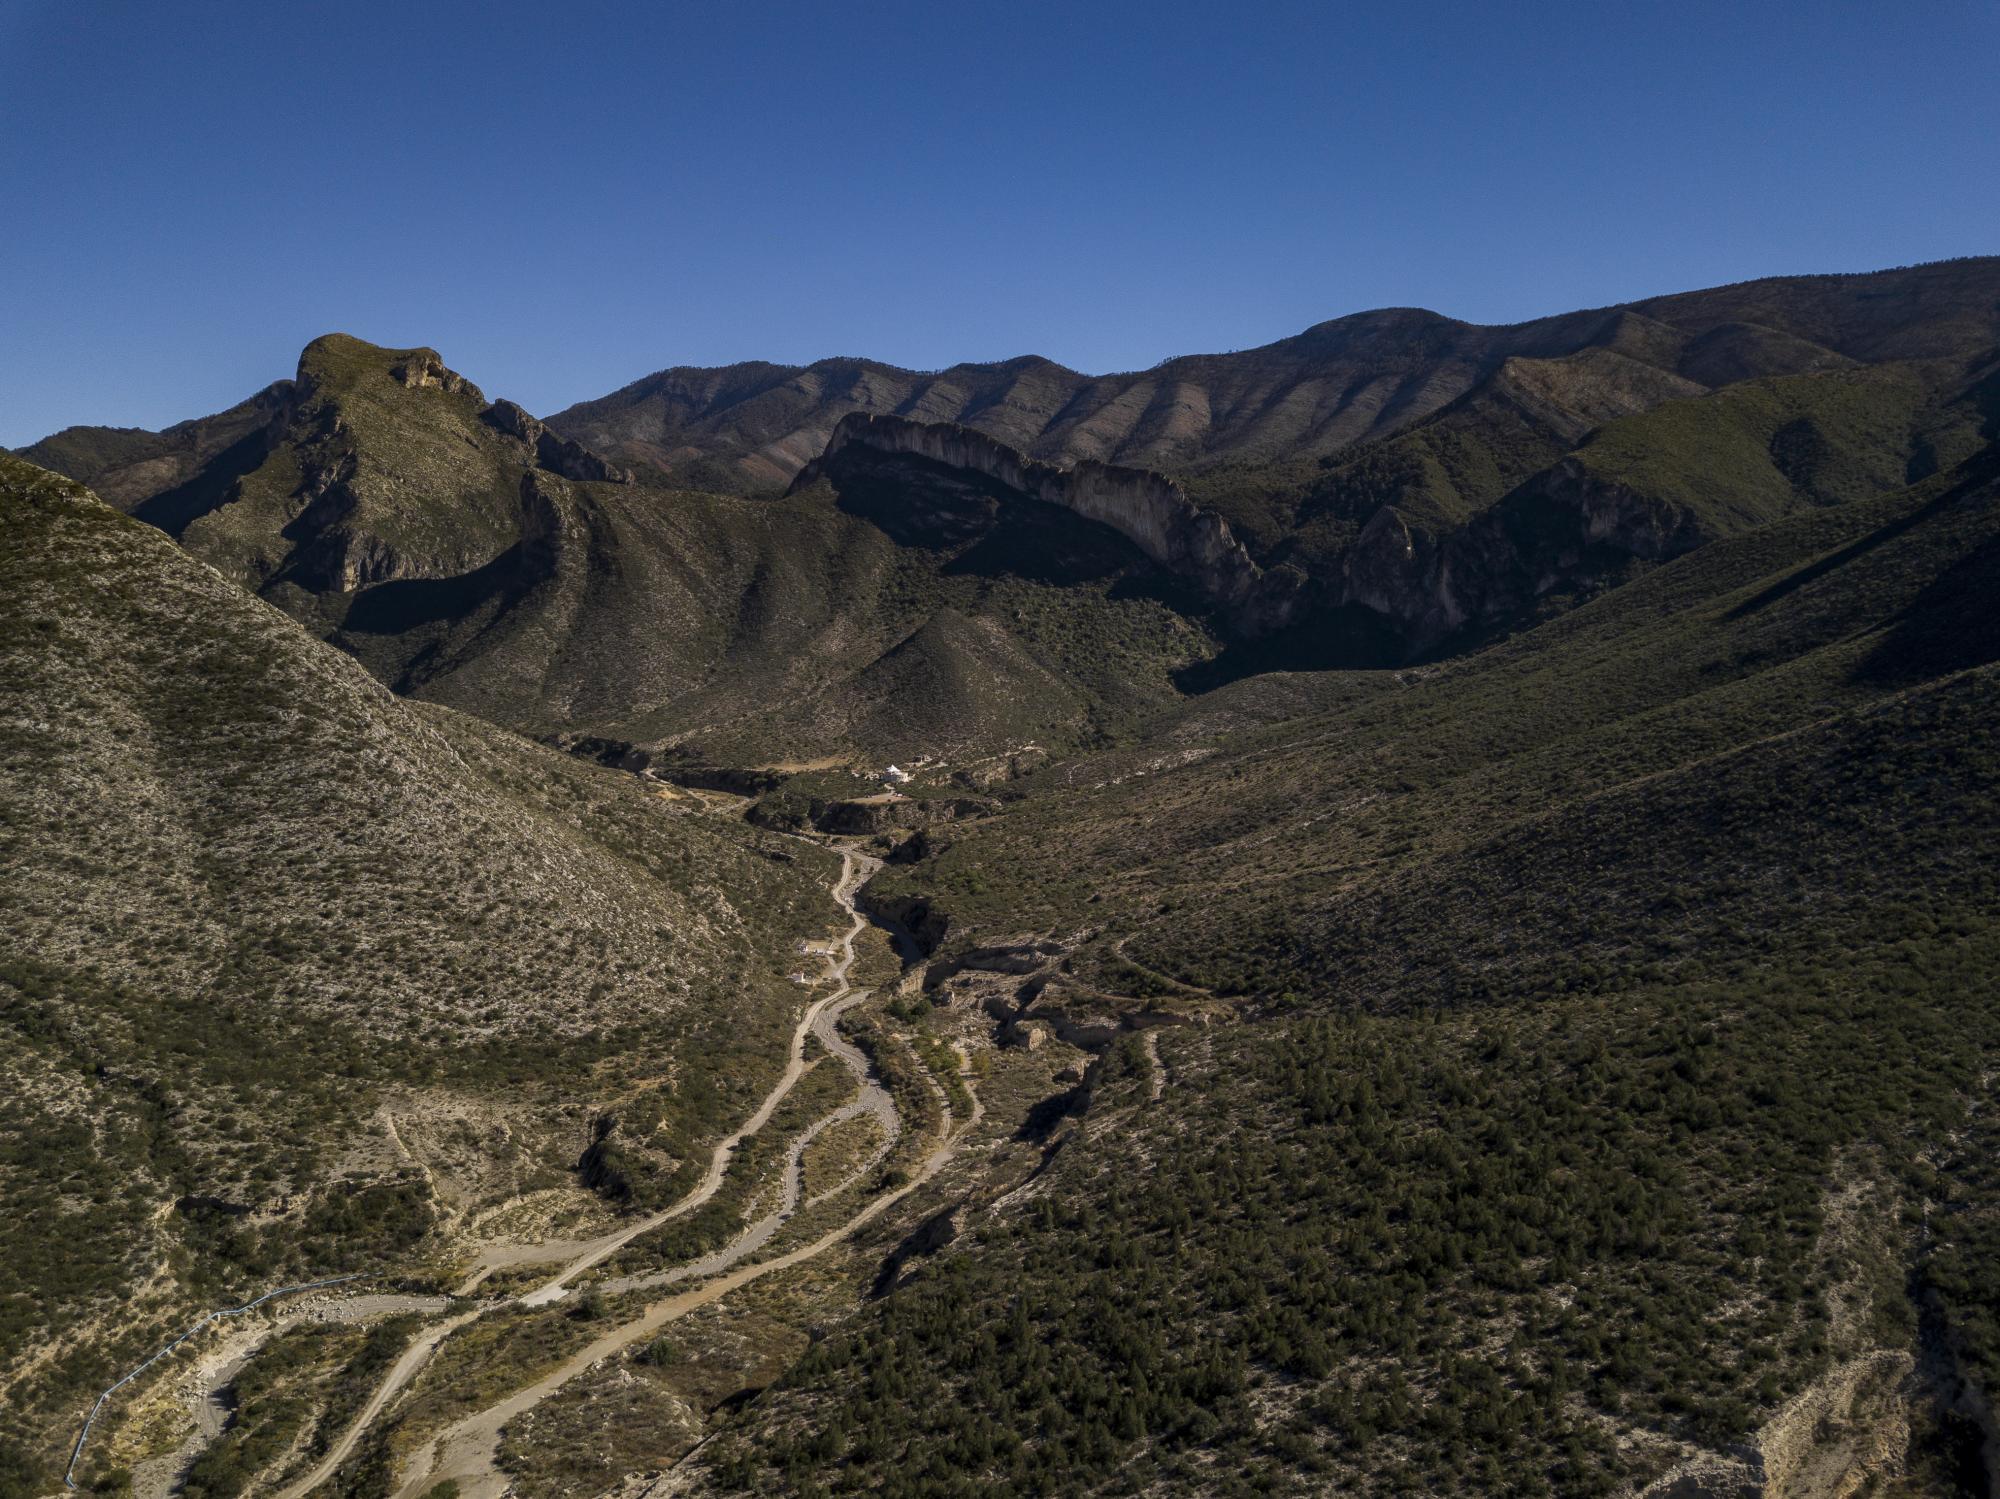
[579, 1280]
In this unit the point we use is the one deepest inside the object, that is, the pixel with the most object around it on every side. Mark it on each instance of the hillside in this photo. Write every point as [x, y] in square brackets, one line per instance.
[469, 557]
[1556, 1072]
[472, 556]
[1556, 481]
[279, 946]
[1744, 641]
[751, 427]
[1540, 1041]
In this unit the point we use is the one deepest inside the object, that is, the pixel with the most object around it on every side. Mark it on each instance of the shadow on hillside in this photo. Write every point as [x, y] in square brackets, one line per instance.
[1951, 626]
[406, 604]
[980, 527]
[174, 510]
[1040, 1121]
[1981, 473]
[1348, 638]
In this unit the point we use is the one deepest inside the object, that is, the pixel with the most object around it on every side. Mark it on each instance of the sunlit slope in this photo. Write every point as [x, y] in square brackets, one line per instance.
[247, 890]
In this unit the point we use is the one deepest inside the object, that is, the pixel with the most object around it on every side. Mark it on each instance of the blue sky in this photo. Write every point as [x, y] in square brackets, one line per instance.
[564, 198]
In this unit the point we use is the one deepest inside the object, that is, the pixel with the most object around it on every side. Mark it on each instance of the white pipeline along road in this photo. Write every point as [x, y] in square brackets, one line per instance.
[69, 1474]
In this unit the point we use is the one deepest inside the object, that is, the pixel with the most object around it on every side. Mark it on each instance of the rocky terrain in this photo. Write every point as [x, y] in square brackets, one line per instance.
[1689, 886]
[468, 556]
[258, 908]
[1431, 932]
[1146, 508]
[473, 555]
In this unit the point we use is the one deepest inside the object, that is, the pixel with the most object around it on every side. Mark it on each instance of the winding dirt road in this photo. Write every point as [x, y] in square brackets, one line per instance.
[824, 1022]
[466, 1451]
[854, 871]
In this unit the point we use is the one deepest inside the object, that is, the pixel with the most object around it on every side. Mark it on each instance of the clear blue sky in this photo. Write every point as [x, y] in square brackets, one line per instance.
[562, 198]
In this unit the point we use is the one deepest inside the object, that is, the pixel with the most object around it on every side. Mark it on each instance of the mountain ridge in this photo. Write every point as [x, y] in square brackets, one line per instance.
[754, 425]
[467, 548]
[471, 552]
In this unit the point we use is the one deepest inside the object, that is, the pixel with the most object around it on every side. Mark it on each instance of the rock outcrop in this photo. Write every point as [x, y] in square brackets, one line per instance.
[927, 925]
[1145, 507]
[557, 454]
[935, 1233]
[425, 369]
[1017, 955]
[1616, 515]
[1429, 586]
[1566, 530]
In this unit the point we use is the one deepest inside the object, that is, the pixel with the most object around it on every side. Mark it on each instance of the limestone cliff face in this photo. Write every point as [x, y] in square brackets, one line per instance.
[1615, 515]
[1145, 507]
[557, 454]
[1567, 529]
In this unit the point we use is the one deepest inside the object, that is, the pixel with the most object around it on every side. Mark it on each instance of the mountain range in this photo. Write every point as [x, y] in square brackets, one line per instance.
[1433, 930]
[1398, 486]
[751, 427]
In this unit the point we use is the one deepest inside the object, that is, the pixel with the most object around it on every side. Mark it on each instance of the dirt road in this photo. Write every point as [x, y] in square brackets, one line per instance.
[468, 1452]
[818, 1020]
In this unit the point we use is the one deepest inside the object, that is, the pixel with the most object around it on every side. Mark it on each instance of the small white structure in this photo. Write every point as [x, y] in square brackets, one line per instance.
[895, 775]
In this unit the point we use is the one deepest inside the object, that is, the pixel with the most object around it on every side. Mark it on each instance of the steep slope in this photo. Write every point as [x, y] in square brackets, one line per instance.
[172, 475]
[751, 427]
[1546, 485]
[1812, 436]
[1147, 509]
[1446, 469]
[1760, 635]
[1616, 1025]
[252, 900]
[371, 464]
[469, 556]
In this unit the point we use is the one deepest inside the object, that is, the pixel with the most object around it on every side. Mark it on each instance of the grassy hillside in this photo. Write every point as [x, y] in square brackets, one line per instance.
[253, 900]
[1435, 483]
[1617, 1015]
[1742, 640]
[1764, 448]
[1558, 1063]
[1443, 471]
[765, 631]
